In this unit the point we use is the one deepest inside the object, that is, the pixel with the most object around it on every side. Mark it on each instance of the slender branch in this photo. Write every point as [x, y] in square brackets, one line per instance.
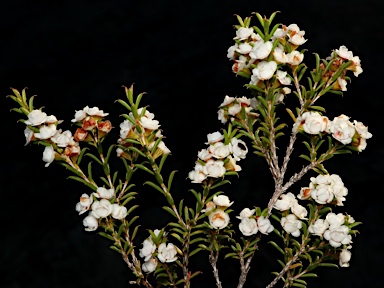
[296, 177]
[213, 260]
[287, 266]
[244, 269]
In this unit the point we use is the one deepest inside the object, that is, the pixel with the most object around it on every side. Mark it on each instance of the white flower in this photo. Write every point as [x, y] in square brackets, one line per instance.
[36, 117]
[295, 35]
[150, 265]
[291, 225]
[355, 66]
[118, 212]
[197, 176]
[314, 123]
[342, 129]
[51, 119]
[244, 48]
[285, 202]
[338, 236]
[79, 115]
[222, 116]
[246, 213]
[62, 139]
[105, 193]
[341, 84]
[214, 169]
[222, 201]
[160, 149]
[214, 137]
[279, 33]
[125, 127]
[148, 249]
[264, 225]
[231, 164]
[239, 149]
[297, 39]
[48, 155]
[283, 78]
[90, 223]
[84, 204]
[243, 33]
[261, 50]
[167, 253]
[305, 193]
[149, 123]
[28, 133]
[344, 53]
[209, 206]
[279, 55]
[299, 211]
[231, 51]
[95, 111]
[233, 110]
[101, 209]
[362, 130]
[46, 132]
[344, 258]
[265, 70]
[248, 226]
[204, 154]
[338, 189]
[294, 58]
[227, 100]
[335, 220]
[322, 194]
[219, 150]
[218, 219]
[319, 227]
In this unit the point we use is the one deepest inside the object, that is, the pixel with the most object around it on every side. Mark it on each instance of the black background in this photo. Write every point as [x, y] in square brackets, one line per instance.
[77, 53]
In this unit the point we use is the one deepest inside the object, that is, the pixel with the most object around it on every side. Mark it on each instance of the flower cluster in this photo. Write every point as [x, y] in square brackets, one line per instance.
[235, 107]
[149, 129]
[325, 189]
[338, 57]
[251, 224]
[215, 209]
[166, 253]
[218, 158]
[99, 208]
[254, 53]
[43, 128]
[347, 132]
[271, 61]
[90, 121]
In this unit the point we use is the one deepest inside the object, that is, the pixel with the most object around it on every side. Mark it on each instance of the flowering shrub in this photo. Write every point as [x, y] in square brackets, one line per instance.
[308, 233]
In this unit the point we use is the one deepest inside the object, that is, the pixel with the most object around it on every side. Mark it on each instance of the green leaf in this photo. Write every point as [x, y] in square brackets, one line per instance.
[142, 167]
[105, 235]
[169, 210]
[308, 275]
[94, 188]
[220, 184]
[277, 247]
[329, 265]
[80, 157]
[134, 149]
[170, 179]
[115, 249]
[109, 153]
[157, 187]
[132, 220]
[94, 158]
[125, 104]
[299, 285]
